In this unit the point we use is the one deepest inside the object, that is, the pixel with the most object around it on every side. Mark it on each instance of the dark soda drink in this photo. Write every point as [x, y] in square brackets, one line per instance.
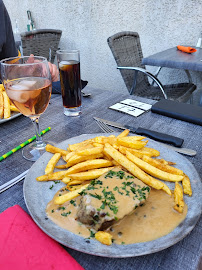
[70, 83]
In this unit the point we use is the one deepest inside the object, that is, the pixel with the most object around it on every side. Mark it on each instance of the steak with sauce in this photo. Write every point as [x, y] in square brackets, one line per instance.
[111, 197]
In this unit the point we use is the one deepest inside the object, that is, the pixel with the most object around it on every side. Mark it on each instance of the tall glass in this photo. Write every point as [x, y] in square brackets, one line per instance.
[27, 82]
[70, 79]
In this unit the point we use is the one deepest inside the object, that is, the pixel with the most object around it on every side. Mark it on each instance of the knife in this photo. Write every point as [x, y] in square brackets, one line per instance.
[12, 182]
[162, 137]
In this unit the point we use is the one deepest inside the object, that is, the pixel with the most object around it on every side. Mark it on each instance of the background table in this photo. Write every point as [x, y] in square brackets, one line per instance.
[183, 255]
[173, 58]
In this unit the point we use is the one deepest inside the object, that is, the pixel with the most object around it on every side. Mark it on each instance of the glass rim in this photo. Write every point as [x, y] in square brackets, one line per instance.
[67, 51]
[3, 61]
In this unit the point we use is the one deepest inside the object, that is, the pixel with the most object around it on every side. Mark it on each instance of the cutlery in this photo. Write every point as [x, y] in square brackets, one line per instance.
[14, 181]
[162, 137]
[85, 94]
[185, 151]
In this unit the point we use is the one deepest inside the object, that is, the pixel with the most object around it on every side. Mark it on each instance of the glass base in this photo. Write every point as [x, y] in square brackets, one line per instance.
[32, 152]
[73, 111]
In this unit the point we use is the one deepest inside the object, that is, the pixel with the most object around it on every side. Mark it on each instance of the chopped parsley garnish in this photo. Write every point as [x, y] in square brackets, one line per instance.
[51, 187]
[65, 214]
[73, 202]
[120, 174]
[99, 197]
[92, 234]
[110, 174]
[56, 182]
[61, 208]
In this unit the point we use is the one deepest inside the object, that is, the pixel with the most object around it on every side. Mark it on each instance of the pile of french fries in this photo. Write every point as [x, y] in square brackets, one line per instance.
[6, 106]
[91, 158]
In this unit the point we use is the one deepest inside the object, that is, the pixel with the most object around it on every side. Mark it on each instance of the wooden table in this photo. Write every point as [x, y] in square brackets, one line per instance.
[183, 255]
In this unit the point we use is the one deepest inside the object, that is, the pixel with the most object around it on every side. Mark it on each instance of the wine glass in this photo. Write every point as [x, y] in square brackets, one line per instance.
[27, 82]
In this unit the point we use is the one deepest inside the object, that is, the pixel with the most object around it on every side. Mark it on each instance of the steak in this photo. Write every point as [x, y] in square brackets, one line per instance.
[111, 197]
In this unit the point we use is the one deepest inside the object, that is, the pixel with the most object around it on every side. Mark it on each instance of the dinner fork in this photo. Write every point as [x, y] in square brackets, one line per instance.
[104, 127]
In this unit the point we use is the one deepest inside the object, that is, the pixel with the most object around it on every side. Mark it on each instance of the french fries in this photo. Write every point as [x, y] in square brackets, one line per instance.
[187, 185]
[162, 166]
[178, 197]
[52, 149]
[132, 168]
[80, 146]
[76, 159]
[154, 152]
[132, 142]
[1, 105]
[138, 153]
[69, 196]
[13, 108]
[104, 238]
[52, 162]
[89, 175]
[89, 165]
[153, 170]
[52, 176]
[1, 88]
[90, 151]
[6, 107]
[124, 133]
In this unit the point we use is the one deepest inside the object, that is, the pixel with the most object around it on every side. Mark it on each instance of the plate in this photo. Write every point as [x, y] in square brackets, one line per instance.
[38, 194]
[13, 115]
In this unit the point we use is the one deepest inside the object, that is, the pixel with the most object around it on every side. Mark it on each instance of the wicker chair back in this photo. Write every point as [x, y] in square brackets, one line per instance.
[41, 42]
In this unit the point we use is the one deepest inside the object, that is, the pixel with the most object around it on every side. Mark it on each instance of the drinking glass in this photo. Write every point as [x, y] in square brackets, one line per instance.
[70, 80]
[27, 82]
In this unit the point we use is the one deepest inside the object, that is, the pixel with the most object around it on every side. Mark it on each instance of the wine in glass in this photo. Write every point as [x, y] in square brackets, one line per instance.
[27, 82]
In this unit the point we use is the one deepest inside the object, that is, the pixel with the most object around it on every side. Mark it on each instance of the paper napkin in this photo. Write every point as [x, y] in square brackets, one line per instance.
[24, 246]
[186, 49]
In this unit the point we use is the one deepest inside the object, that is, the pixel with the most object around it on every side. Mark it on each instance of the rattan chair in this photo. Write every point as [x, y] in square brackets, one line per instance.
[41, 42]
[127, 51]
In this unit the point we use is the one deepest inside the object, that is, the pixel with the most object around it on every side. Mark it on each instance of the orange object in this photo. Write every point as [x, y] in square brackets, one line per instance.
[186, 49]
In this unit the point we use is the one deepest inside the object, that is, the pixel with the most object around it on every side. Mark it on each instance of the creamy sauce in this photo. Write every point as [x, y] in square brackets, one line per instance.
[154, 219]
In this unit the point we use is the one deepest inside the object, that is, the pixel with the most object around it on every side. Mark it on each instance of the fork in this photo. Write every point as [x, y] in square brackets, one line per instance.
[104, 127]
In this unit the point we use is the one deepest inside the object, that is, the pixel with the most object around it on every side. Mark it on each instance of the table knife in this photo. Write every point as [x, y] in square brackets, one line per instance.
[162, 137]
[13, 181]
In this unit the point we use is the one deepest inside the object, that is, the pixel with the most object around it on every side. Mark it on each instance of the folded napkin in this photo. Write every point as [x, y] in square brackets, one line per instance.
[179, 110]
[186, 49]
[24, 246]
[56, 88]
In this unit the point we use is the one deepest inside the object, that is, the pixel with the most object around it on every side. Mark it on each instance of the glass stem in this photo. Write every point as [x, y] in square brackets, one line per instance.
[39, 140]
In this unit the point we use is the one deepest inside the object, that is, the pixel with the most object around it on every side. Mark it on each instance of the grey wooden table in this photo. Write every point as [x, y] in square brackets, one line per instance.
[183, 255]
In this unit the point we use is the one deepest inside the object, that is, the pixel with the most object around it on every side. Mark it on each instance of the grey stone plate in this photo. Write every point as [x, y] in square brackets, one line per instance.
[38, 194]
[13, 115]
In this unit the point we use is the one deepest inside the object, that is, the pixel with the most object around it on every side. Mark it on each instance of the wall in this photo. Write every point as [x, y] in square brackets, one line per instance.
[87, 24]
